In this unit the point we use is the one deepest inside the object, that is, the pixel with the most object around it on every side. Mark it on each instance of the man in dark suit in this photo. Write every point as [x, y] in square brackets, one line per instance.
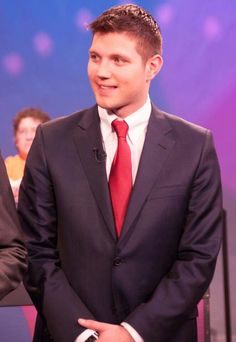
[130, 272]
[12, 250]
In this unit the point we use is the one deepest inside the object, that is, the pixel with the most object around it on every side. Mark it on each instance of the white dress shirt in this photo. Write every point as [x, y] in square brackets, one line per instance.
[137, 123]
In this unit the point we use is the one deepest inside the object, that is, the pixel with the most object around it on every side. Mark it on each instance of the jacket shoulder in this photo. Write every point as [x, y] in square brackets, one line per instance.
[181, 127]
[68, 121]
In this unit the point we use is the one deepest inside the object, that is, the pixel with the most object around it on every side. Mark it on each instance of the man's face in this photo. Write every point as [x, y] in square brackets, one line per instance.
[25, 135]
[119, 78]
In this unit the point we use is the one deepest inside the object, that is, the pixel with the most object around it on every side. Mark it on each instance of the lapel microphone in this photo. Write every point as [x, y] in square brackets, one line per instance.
[99, 155]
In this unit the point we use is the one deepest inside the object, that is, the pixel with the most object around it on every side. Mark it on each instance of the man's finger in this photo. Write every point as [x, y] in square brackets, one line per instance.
[91, 324]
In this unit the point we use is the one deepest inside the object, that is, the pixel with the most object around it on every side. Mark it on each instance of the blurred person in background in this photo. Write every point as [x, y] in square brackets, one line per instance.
[25, 124]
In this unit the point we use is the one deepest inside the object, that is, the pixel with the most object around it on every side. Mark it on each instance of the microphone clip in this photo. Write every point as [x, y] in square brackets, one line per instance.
[99, 155]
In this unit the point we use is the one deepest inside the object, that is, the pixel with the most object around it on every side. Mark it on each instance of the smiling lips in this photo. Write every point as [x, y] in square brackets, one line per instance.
[103, 86]
[104, 90]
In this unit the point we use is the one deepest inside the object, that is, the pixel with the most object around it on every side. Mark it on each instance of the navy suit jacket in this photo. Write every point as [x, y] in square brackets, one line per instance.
[152, 276]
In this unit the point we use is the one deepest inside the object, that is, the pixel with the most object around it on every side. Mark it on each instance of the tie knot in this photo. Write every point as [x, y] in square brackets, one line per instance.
[120, 127]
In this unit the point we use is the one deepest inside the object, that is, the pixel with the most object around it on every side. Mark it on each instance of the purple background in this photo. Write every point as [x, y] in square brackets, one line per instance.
[43, 57]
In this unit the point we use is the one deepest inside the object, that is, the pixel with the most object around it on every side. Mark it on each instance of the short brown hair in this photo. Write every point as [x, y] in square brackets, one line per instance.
[30, 112]
[136, 22]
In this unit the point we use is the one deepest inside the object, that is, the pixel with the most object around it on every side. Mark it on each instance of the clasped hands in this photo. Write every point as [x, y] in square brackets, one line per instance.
[107, 332]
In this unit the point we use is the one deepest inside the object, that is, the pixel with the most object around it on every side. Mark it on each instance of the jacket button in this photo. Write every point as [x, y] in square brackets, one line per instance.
[117, 262]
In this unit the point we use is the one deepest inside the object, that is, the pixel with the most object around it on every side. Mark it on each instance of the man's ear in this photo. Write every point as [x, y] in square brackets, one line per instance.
[154, 65]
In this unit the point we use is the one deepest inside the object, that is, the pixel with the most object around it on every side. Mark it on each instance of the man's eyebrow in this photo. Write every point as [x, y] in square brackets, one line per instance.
[93, 52]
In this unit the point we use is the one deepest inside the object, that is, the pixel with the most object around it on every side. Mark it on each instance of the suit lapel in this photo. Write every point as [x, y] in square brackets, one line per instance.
[88, 142]
[157, 146]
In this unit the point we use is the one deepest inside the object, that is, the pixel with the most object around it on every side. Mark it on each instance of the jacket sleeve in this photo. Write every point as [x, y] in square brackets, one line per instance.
[13, 260]
[55, 300]
[178, 293]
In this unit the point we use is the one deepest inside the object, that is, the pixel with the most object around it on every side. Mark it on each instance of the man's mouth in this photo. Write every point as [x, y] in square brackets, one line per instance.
[103, 86]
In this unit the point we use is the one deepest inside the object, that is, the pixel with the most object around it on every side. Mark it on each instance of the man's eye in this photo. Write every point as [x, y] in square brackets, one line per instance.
[118, 60]
[93, 57]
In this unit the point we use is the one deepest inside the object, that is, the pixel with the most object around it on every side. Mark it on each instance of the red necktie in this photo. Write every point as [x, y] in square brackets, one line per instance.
[120, 180]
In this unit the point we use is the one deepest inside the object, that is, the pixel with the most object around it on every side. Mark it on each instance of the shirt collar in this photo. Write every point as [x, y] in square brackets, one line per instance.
[137, 121]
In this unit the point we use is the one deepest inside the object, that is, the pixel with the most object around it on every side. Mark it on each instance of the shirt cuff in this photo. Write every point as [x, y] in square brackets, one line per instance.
[84, 335]
[136, 337]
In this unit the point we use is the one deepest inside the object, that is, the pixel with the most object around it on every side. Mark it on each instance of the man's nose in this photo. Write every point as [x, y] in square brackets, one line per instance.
[104, 70]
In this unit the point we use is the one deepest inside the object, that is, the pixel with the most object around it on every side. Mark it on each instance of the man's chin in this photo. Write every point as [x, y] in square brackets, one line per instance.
[108, 106]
